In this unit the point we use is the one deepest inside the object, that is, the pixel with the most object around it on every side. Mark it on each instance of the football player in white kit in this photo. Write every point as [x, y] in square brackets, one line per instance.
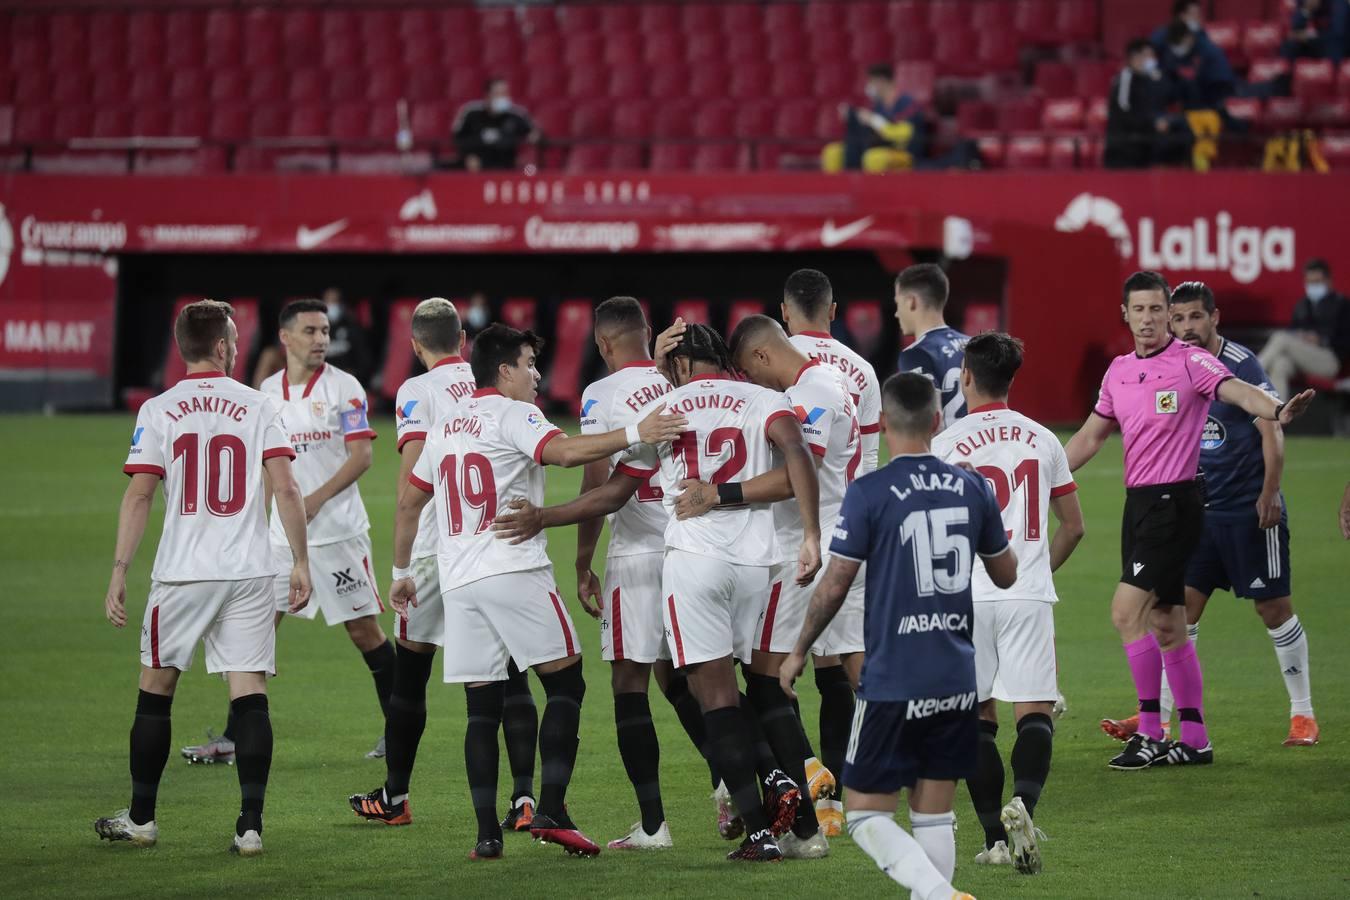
[821, 401]
[214, 444]
[326, 410]
[501, 601]
[438, 341]
[1014, 628]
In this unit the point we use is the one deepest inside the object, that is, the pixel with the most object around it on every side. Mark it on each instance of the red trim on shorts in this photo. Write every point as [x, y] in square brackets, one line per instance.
[634, 471]
[616, 625]
[562, 620]
[543, 441]
[766, 636]
[874, 428]
[154, 638]
[143, 470]
[778, 414]
[274, 452]
[363, 433]
[420, 484]
[1063, 489]
[675, 628]
[411, 436]
[816, 449]
[365, 564]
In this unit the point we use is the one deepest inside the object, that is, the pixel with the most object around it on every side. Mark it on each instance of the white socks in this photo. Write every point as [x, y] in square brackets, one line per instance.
[899, 855]
[936, 834]
[1291, 649]
[1165, 698]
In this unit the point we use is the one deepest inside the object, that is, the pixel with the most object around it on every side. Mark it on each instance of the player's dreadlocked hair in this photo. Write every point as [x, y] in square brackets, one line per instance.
[701, 343]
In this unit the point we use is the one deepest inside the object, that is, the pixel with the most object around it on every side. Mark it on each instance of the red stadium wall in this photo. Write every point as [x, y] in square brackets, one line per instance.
[1244, 233]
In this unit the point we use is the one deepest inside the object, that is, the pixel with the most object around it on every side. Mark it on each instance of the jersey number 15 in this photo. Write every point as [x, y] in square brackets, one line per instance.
[928, 533]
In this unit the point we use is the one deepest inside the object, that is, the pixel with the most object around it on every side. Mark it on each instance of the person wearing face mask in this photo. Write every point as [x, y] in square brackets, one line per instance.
[348, 343]
[1136, 123]
[888, 136]
[1197, 71]
[478, 315]
[1317, 342]
[488, 132]
[1189, 13]
[1318, 29]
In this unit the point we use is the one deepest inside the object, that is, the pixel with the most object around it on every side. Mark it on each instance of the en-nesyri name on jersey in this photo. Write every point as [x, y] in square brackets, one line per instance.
[486, 453]
[1026, 467]
[207, 437]
[324, 414]
[864, 387]
[618, 400]
[423, 401]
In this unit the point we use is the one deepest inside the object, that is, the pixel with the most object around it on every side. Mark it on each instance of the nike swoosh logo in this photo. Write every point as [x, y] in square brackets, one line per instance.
[831, 236]
[309, 238]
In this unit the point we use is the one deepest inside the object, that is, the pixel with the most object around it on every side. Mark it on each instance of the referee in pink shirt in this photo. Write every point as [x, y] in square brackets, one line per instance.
[1159, 396]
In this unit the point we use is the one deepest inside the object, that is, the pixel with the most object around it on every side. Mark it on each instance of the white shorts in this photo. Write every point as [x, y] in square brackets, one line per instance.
[1015, 645]
[517, 615]
[235, 620]
[343, 579]
[784, 614]
[712, 607]
[425, 623]
[631, 623]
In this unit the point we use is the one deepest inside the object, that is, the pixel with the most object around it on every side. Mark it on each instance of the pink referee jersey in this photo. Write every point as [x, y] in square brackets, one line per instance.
[1161, 402]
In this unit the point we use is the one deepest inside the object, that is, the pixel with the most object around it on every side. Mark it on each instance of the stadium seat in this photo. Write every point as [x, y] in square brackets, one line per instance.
[616, 18]
[70, 87]
[1064, 115]
[706, 48]
[1267, 69]
[1055, 80]
[1329, 112]
[591, 118]
[692, 311]
[112, 86]
[993, 150]
[784, 17]
[781, 45]
[1314, 79]
[1227, 36]
[1245, 10]
[521, 312]
[954, 51]
[992, 15]
[627, 157]
[538, 20]
[716, 119]
[386, 85]
[190, 86]
[742, 309]
[633, 119]
[583, 50]
[788, 83]
[349, 121]
[862, 318]
[571, 345]
[148, 87]
[588, 158]
[228, 122]
[914, 46]
[835, 81]
[827, 43]
[544, 52]
[916, 79]
[976, 115]
[672, 157]
[1262, 39]
[75, 121]
[431, 122]
[111, 122]
[1092, 78]
[1035, 21]
[1027, 152]
[269, 120]
[655, 18]
[907, 15]
[398, 355]
[744, 17]
[1020, 115]
[189, 121]
[307, 120]
[575, 19]
[264, 86]
[866, 48]
[1336, 150]
[674, 119]
[997, 51]
[1095, 120]
[706, 82]
[948, 16]
[33, 125]
[1343, 79]
[339, 52]
[718, 158]
[795, 119]
[492, 17]
[587, 82]
[150, 121]
[1076, 20]
[224, 53]
[1283, 113]
[1247, 109]
[1069, 151]
[864, 16]
[664, 49]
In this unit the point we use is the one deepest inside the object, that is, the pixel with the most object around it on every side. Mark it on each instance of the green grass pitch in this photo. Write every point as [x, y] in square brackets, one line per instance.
[1264, 821]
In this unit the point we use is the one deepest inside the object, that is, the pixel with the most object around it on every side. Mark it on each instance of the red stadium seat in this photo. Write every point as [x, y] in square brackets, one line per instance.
[588, 158]
[264, 86]
[494, 17]
[431, 122]
[544, 51]
[386, 85]
[32, 87]
[692, 311]
[112, 86]
[349, 121]
[751, 81]
[150, 121]
[538, 20]
[948, 16]
[1097, 111]
[998, 51]
[33, 125]
[664, 49]
[1069, 152]
[520, 312]
[658, 17]
[572, 344]
[627, 157]
[1343, 79]
[1248, 109]
[993, 150]
[269, 120]
[224, 53]
[111, 121]
[1267, 69]
[583, 50]
[783, 17]
[575, 19]
[1093, 78]
[1020, 115]
[672, 157]
[796, 119]
[906, 15]
[1063, 115]
[586, 82]
[1314, 79]
[189, 121]
[1248, 10]
[718, 158]
[501, 48]
[781, 45]
[339, 52]
[706, 48]
[591, 118]
[914, 46]
[1336, 150]
[1262, 39]
[186, 51]
[150, 86]
[223, 24]
[1035, 20]
[628, 83]
[1227, 36]
[1283, 113]
[862, 318]
[307, 120]
[383, 122]
[827, 43]
[70, 87]
[954, 51]
[716, 119]
[868, 48]
[1027, 152]
[1333, 112]
[707, 82]
[992, 15]
[835, 81]
[741, 310]
[741, 17]
[617, 18]
[1055, 79]
[976, 115]
[345, 85]
[228, 122]
[1076, 20]
[674, 119]
[916, 79]
[76, 122]
[189, 86]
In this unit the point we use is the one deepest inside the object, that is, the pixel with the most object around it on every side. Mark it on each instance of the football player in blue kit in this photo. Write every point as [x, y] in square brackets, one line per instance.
[917, 522]
[937, 352]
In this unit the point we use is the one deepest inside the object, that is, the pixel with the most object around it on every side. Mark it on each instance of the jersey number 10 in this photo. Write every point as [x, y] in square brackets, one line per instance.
[225, 459]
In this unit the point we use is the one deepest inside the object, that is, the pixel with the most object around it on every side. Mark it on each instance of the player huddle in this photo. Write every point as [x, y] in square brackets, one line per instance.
[751, 528]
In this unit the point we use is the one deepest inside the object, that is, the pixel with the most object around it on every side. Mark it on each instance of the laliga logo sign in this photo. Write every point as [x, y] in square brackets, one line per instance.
[6, 243]
[1243, 252]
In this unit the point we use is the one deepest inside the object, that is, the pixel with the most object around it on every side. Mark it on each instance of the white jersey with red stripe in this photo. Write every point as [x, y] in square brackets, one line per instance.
[727, 440]
[821, 402]
[423, 401]
[483, 455]
[864, 388]
[1026, 466]
[324, 414]
[616, 401]
[207, 438]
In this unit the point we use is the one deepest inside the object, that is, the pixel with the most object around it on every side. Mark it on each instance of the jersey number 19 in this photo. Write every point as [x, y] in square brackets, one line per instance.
[471, 484]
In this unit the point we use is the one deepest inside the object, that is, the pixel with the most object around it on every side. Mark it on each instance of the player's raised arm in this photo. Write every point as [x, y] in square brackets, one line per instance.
[658, 427]
[526, 520]
[786, 434]
[131, 519]
[290, 503]
[1262, 405]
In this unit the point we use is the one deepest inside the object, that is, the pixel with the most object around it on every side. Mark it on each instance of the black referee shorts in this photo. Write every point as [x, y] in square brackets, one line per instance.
[1160, 530]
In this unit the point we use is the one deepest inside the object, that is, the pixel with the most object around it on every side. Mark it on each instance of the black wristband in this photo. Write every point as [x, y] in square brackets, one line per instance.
[730, 493]
[1279, 409]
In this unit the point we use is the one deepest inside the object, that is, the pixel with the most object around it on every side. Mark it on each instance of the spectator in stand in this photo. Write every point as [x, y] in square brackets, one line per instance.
[1197, 71]
[1318, 29]
[348, 343]
[489, 132]
[1137, 124]
[1188, 12]
[478, 314]
[890, 135]
[1318, 340]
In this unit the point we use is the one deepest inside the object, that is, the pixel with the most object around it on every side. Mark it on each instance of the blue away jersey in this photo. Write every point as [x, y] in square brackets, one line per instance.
[938, 353]
[1230, 445]
[917, 522]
